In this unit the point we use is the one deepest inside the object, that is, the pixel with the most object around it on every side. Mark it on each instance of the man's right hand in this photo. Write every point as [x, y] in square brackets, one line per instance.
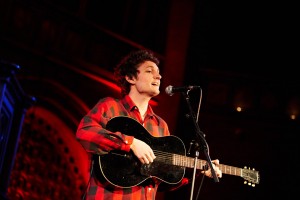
[142, 151]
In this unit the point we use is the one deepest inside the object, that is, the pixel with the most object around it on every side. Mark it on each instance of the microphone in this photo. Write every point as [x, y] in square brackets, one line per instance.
[170, 90]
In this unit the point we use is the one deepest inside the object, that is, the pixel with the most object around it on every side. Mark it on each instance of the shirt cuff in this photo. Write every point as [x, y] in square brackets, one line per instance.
[127, 142]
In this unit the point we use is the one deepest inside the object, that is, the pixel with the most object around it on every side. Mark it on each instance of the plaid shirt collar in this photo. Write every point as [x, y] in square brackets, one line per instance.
[130, 105]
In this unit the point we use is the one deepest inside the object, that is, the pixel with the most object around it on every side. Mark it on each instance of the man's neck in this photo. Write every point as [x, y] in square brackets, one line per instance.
[141, 102]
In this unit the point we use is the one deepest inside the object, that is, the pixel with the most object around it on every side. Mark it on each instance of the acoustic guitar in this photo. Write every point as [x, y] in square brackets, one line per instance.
[123, 169]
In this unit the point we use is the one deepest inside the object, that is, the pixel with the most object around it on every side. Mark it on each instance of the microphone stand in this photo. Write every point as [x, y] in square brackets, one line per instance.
[201, 140]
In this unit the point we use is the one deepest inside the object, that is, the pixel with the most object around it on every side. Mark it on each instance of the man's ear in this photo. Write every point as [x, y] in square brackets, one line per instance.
[130, 80]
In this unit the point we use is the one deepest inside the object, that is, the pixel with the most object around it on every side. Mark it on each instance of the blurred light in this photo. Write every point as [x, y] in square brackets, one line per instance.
[239, 109]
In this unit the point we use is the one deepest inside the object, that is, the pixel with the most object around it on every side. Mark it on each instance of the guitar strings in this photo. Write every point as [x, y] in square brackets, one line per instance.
[181, 160]
[177, 159]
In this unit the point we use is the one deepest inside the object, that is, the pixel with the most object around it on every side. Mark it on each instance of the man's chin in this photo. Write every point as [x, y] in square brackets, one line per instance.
[155, 93]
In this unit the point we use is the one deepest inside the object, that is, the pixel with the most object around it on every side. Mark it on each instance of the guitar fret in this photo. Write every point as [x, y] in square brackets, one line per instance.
[184, 161]
[230, 170]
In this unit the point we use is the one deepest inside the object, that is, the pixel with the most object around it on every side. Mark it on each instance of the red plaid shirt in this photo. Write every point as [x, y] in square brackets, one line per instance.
[95, 138]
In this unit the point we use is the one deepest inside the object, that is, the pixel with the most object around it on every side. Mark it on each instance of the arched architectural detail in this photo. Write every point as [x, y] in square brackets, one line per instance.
[48, 154]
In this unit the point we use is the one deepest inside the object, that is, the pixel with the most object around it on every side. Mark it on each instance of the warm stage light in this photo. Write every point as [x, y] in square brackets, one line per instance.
[239, 109]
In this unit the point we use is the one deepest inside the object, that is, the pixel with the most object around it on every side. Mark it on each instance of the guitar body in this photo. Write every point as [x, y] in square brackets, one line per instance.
[123, 169]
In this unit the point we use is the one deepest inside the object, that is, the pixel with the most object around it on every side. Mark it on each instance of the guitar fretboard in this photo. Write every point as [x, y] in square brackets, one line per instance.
[184, 161]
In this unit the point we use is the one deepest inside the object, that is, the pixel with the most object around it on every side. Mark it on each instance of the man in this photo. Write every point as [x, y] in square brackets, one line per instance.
[139, 78]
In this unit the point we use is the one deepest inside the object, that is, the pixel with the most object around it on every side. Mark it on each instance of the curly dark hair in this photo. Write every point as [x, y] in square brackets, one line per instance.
[128, 67]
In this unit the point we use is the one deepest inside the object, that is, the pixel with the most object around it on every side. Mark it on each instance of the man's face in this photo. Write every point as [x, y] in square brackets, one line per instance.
[148, 79]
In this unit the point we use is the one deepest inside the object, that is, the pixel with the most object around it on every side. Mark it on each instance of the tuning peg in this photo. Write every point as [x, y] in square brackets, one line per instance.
[253, 185]
[248, 183]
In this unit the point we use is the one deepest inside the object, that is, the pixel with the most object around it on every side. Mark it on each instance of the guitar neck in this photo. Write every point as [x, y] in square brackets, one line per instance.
[189, 162]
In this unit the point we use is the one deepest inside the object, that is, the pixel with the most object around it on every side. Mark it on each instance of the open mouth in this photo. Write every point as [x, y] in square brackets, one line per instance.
[155, 84]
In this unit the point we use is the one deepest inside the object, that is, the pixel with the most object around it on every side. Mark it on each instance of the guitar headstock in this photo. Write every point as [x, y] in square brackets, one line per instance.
[250, 176]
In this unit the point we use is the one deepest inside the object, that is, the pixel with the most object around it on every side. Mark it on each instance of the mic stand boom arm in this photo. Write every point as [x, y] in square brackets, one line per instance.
[200, 137]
